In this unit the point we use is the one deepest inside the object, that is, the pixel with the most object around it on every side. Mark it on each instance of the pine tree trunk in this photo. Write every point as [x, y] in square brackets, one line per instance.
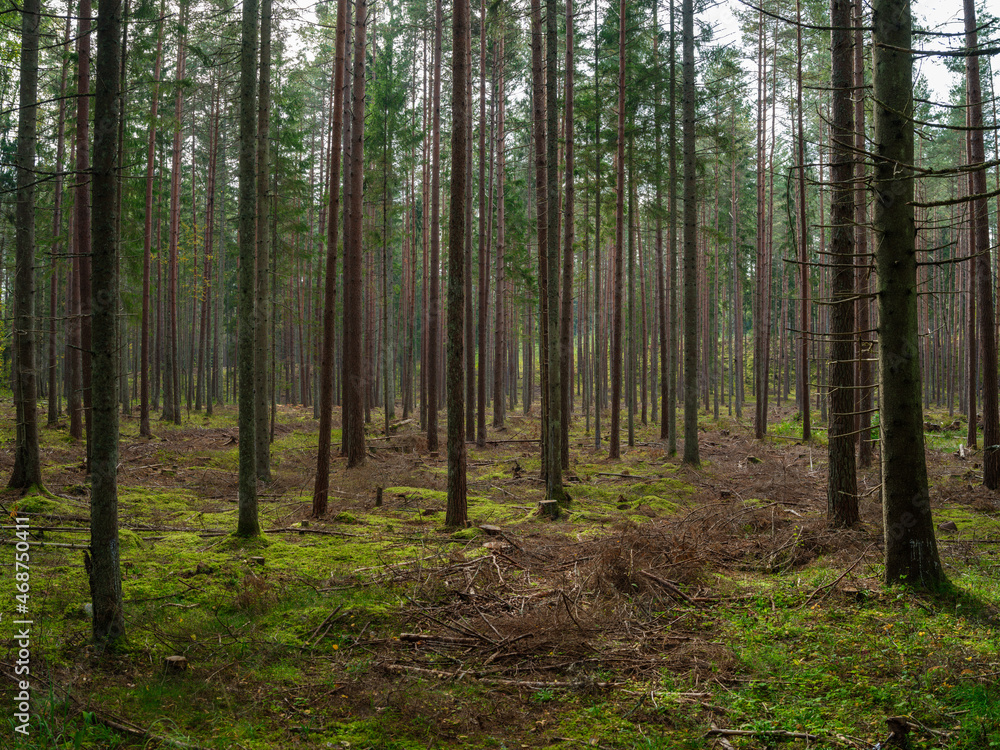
[206, 287]
[674, 339]
[553, 454]
[247, 524]
[434, 335]
[630, 359]
[27, 470]
[690, 244]
[911, 554]
[600, 359]
[262, 269]
[865, 342]
[81, 212]
[147, 244]
[469, 321]
[171, 376]
[499, 339]
[661, 284]
[566, 332]
[322, 485]
[803, 302]
[842, 492]
[483, 210]
[354, 374]
[979, 247]
[57, 220]
[614, 448]
[538, 120]
[456, 514]
[103, 566]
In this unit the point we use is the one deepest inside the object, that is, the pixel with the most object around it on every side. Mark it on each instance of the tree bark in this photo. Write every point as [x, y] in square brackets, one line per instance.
[57, 220]
[980, 248]
[483, 210]
[262, 443]
[456, 513]
[322, 485]
[103, 564]
[566, 332]
[661, 283]
[614, 447]
[865, 343]
[147, 238]
[671, 399]
[690, 244]
[554, 488]
[203, 391]
[538, 121]
[803, 303]
[354, 376]
[27, 470]
[911, 554]
[81, 211]
[171, 376]
[842, 493]
[499, 339]
[599, 341]
[433, 334]
[247, 524]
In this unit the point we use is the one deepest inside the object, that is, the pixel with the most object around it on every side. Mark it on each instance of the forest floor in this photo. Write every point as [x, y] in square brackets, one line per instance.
[671, 607]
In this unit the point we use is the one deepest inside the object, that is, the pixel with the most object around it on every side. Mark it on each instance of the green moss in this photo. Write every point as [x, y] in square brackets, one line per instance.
[128, 539]
[36, 502]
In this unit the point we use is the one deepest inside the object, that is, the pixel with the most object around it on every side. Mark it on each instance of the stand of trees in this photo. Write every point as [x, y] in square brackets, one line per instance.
[811, 223]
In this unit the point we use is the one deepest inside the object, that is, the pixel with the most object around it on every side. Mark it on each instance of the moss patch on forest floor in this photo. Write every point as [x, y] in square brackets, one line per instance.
[667, 602]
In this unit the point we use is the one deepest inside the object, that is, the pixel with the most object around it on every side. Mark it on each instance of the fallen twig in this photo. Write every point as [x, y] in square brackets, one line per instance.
[670, 587]
[837, 580]
[306, 530]
[770, 733]
[430, 638]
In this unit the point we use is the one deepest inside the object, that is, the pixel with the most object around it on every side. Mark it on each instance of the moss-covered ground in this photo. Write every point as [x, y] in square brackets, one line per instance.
[667, 603]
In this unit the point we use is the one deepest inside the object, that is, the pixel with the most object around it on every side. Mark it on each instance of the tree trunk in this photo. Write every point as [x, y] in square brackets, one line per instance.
[147, 242]
[247, 524]
[499, 340]
[541, 213]
[354, 377]
[27, 470]
[81, 211]
[433, 334]
[57, 220]
[322, 486]
[614, 448]
[842, 488]
[803, 302]
[671, 399]
[630, 358]
[456, 514]
[690, 244]
[469, 322]
[261, 435]
[599, 341]
[980, 248]
[554, 488]
[171, 376]
[865, 343]
[204, 388]
[483, 210]
[566, 332]
[661, 285]
[103, 565]
[911, 554]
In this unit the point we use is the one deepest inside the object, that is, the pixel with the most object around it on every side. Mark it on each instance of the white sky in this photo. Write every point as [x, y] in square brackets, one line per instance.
[934, 15]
